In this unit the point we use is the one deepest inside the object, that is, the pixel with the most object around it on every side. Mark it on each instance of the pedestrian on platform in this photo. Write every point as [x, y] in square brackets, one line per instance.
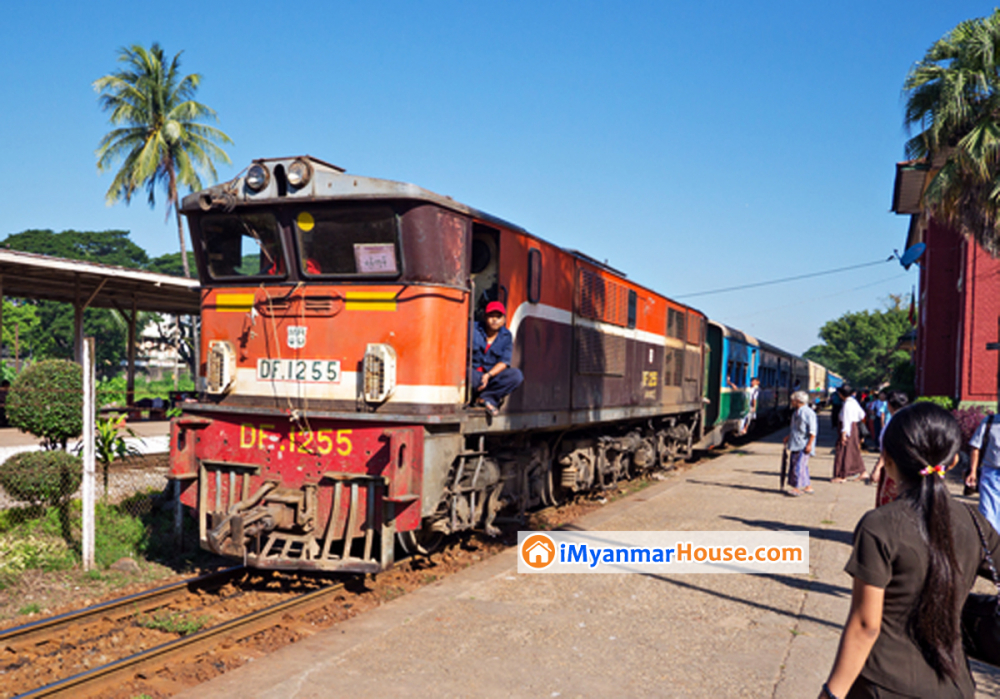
[848, 462]
[914, 562]
[985, 451]
[801, 441]
[886, 491]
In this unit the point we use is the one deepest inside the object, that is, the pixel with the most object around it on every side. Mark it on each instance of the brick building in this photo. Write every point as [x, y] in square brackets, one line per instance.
[959, 300]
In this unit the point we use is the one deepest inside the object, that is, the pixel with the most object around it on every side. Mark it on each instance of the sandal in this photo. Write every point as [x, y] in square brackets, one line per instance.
[491, 409]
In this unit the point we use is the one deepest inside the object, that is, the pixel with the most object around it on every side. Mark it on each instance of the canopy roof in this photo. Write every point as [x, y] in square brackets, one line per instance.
[29, 275]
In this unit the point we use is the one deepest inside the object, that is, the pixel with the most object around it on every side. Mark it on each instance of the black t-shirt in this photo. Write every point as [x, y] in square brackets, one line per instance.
[889, 553]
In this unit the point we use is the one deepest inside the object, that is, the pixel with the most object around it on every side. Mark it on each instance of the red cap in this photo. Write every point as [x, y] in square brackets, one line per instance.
[495, 307]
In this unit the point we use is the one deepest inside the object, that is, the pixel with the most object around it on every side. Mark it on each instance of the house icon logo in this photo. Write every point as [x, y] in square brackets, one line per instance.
[538, 551]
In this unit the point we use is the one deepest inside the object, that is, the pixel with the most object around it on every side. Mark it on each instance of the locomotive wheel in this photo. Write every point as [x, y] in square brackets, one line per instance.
[424, 541]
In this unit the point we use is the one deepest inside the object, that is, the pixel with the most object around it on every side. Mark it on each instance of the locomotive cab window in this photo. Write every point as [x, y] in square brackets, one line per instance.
[245, 245]
[361, 241]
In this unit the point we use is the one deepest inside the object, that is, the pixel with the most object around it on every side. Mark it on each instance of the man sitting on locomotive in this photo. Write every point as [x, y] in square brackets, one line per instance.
[492, 344]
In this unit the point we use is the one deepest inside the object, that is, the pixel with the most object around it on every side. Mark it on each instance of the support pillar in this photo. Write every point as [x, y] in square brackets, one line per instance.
[89, 485]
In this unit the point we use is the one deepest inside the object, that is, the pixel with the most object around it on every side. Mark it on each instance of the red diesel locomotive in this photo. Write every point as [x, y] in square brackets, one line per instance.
[335, 346]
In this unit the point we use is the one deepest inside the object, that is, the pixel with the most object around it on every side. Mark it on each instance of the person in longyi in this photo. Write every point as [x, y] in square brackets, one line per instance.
[848, 462]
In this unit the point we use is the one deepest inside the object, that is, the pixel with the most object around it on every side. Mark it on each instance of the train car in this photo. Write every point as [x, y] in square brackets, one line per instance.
[800, 376]
[733, 360]
[776, 373]
[833, 382]
[818, 397]
[334, 415]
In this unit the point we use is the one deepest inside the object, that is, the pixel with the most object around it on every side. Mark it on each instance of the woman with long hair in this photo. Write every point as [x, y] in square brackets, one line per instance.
[914, 561]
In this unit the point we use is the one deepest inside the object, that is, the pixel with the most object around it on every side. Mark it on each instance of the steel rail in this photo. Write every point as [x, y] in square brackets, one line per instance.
[86, 683]
[126, 606]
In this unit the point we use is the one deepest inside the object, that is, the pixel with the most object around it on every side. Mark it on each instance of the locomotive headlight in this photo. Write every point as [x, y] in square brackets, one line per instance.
[257, 177]
[299, 173]
[380, 372]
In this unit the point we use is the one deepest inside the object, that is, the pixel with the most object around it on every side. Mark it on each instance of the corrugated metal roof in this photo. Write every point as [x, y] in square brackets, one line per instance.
[909, 186]
[33, 276]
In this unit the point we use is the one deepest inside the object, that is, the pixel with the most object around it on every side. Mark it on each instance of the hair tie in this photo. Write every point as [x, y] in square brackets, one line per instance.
[939, 470]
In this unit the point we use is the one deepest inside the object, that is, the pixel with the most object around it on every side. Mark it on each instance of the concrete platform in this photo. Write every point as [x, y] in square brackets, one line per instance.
[489, 632]
[152, 437]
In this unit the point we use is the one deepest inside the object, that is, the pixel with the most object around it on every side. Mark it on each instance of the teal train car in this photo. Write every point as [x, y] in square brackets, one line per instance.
[733, 359]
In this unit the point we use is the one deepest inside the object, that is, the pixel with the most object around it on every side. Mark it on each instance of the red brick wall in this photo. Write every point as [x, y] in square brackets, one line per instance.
[940, 313]
[981, 308]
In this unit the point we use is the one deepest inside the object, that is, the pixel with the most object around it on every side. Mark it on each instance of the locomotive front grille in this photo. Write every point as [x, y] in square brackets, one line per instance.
[380, 372]
[221, 366]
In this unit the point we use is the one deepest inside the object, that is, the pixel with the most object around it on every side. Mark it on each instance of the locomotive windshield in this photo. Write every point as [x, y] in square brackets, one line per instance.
[348, 241]
[244, 245]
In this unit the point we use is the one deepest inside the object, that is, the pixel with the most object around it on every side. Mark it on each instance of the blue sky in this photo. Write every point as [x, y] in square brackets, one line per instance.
[692, 145]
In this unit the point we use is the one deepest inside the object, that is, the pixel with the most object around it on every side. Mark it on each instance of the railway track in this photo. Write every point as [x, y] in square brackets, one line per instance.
[29, 641]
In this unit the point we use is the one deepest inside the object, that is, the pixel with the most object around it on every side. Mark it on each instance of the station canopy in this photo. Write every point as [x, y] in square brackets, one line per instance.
[93, 285]
[89, 284]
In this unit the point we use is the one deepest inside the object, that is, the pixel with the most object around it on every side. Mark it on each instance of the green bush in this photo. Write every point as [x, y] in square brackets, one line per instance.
[942, 401]
[41, 477]
[46, 400]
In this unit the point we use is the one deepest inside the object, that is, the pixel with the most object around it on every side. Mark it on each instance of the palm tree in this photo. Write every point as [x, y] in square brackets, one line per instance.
[953, 97]
[158, 136]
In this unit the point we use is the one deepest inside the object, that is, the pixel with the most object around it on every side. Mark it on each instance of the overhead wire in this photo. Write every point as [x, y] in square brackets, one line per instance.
[783, 280]
[839, 292]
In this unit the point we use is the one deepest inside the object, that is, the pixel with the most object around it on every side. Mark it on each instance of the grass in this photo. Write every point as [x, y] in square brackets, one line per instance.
[27, 609]
[31, 538]
[173, 622]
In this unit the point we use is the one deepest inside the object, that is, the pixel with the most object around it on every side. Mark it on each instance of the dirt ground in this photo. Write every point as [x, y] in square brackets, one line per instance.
[49, 593]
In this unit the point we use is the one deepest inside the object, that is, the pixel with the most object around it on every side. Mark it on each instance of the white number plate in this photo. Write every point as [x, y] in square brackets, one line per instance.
[306, 370]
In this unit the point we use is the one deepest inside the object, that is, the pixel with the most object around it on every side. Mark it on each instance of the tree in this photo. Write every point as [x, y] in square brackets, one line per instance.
[953, 97]
[861, 347]
[104, 247]
[158, 136]
[48, 330]
[170, 263]
[46, 400]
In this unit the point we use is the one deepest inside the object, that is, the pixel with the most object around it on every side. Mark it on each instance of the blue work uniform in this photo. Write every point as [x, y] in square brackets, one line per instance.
[486, 356]
[989, 471]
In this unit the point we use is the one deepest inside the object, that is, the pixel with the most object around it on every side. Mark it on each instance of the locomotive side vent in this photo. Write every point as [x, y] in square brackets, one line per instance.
[380, 372]
[221, 366]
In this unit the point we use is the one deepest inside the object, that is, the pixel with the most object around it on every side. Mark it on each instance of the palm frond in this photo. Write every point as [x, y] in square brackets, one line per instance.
[159, 140]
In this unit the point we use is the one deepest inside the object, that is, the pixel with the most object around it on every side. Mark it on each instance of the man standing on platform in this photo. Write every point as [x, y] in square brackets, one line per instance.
[801, 441]
[985, 450]
[848, 462]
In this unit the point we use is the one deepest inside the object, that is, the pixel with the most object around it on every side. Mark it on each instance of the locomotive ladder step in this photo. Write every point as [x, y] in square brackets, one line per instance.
[401, 499]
